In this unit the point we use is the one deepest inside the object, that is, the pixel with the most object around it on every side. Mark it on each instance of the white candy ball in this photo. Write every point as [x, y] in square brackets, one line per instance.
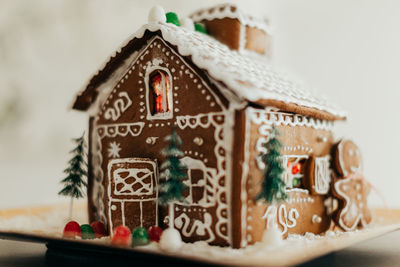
[170, 240]
[187, 23]
[157, 14]
[272, 236]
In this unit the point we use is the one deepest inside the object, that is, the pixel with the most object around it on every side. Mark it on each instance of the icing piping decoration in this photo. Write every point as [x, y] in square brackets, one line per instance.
[355, 211]
[121, 104]
[201, 228]
[120, 129]
[222, 135]
[132, 180]
[285, 219]
[114, 149]
[322, 175]
[208, 184]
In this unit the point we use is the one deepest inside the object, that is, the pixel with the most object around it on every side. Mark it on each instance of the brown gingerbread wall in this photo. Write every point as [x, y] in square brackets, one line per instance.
[238, 159]
[91, 209]
[225, 30]
[229, 30]
[298, 140]
[122, 130]
[257, 40]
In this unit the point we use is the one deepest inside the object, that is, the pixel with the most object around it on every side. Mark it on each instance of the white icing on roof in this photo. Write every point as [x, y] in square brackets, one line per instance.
[230, 11]
[249, 78]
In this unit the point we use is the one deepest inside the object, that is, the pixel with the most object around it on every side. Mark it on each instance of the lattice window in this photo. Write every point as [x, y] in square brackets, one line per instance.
[196, 182]
[322, 175]
[133, 182]
[200, 182]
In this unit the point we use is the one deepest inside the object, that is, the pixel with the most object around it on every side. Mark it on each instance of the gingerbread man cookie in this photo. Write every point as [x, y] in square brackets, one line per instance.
[347, 158]
[350, 188]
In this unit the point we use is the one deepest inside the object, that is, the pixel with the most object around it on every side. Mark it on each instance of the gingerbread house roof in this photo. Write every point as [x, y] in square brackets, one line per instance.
[248, 78]
[230, 11]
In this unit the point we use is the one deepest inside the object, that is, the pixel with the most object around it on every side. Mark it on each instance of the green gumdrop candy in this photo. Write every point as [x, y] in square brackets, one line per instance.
[173, 18]
[200, 28]
[87, 232]
[140, 237]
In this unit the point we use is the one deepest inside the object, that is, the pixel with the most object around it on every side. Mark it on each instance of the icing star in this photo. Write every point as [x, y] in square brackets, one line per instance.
[114, 149]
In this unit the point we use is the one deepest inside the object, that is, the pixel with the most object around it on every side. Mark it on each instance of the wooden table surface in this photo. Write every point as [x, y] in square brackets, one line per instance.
[381, 251]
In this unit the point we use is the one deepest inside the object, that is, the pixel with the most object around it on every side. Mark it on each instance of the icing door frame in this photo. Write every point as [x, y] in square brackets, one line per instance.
[132, 192]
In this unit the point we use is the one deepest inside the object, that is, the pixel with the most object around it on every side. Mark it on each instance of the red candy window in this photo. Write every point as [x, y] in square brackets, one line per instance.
[160, 93]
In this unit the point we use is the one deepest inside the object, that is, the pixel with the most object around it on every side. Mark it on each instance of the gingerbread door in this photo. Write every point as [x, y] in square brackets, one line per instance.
[132, 192]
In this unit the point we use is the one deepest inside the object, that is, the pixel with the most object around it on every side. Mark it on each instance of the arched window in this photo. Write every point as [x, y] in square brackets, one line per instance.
[159, 95]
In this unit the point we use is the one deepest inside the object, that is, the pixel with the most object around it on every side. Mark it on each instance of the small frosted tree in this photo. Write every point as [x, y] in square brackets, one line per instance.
[75, 181]
[173, 173]
[273, 187]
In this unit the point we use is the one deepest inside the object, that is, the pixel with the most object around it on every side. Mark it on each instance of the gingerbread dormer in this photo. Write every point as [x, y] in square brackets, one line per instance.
[239, 31]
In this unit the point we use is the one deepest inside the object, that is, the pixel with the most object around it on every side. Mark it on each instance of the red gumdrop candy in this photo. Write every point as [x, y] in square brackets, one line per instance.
[72, 229]
[155, 233]
[296, 169]
[99, 229]
[122, 236]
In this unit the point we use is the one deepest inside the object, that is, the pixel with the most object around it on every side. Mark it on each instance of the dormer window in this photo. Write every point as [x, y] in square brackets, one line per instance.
[159, 97]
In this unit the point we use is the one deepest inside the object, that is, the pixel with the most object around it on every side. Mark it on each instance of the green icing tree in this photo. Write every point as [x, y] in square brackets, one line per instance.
[273, 187]
[173, 174]
[75, 182]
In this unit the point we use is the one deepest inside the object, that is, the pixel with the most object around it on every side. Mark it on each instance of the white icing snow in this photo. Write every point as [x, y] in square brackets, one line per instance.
[246, 77]
[187, 23]
[272, 236]
[157, 14]
[170, 240]
[226, 11]
[51, 223]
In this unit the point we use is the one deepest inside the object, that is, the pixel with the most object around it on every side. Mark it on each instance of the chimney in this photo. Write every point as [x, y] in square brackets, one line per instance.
[239, 31]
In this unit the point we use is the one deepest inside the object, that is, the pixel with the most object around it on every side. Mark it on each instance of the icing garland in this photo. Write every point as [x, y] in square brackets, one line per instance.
[268, 116]
[120, 129]
[215, 119]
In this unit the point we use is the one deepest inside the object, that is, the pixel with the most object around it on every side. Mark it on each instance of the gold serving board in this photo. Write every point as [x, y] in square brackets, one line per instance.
[44, 224]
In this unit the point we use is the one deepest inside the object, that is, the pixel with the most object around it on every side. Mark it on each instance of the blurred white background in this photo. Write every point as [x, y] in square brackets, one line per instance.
[348, 50]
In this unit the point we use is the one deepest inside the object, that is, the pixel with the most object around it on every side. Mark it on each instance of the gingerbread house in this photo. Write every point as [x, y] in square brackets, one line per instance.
[223, 96]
